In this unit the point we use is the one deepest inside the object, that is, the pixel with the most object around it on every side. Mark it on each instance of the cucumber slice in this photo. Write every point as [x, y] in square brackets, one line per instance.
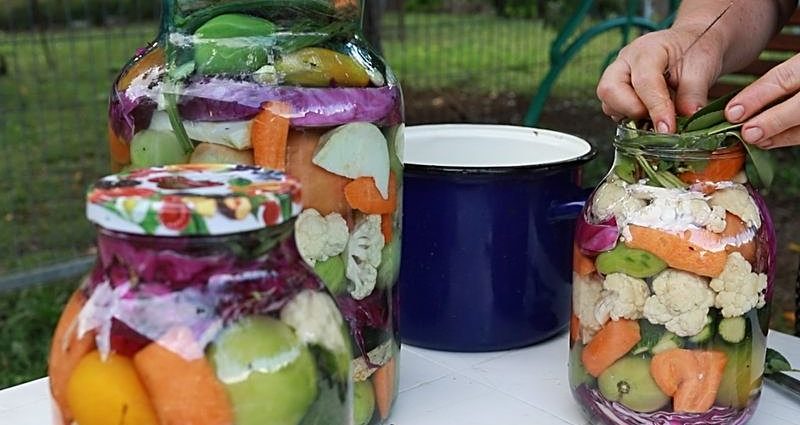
[668, 341]
[705, 334]
[732, 329]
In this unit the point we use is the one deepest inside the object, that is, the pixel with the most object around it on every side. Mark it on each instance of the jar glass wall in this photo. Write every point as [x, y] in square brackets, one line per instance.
[294, 88]
[672, 276]
[188, 317]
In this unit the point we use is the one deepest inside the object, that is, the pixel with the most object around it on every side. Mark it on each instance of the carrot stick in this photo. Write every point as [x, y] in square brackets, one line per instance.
[680, 251]
[723, 166]
[67, 351]
[363, 195]
[322, 190]
[383, 383]
[183, 392]
[268, 135]
[574, 329]
[612, 342]
[581, 264]
[387, 228]
[120, 150]
[692, 377]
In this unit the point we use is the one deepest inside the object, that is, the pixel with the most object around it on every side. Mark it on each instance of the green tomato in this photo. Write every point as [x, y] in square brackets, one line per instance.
[363, 402]
[629, 382]
[270, 376]
[332, 273]
[223, 48]
[390, 264]
[318, 67]
[155, 147]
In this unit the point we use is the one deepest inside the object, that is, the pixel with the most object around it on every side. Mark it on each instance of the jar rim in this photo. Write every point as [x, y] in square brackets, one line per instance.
[669, 150]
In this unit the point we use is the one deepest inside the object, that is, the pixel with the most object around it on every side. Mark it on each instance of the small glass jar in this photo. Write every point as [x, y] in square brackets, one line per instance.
[673, 268]
[291, 86]
[199, 308]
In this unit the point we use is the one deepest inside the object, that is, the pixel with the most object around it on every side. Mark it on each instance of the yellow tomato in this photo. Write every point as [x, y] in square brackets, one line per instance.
[108, 392]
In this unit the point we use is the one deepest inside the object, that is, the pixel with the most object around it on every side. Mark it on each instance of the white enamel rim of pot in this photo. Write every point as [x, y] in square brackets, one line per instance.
[491, 148]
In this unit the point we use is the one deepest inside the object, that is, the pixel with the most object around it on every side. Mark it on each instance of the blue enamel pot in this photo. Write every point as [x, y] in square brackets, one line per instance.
[487, 235]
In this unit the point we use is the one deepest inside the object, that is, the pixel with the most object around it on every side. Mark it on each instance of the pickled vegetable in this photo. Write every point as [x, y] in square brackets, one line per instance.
[677, 222]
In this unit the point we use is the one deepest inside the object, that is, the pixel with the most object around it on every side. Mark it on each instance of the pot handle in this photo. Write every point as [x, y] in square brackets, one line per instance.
[569, 209]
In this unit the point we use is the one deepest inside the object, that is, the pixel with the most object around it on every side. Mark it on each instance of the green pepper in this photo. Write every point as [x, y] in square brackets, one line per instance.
[318, 67]
[217, 50]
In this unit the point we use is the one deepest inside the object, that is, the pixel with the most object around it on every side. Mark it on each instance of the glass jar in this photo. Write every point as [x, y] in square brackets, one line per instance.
[199, 308]
[672, 277]
[295, 88]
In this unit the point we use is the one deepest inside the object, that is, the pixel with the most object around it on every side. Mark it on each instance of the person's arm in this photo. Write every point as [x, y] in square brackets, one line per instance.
[634, 85]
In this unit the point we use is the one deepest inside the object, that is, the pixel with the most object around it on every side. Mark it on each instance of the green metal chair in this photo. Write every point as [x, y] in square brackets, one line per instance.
[569, 42]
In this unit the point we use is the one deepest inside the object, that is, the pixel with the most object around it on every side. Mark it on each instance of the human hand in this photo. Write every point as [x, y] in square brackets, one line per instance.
[779, 124]
[635, 85]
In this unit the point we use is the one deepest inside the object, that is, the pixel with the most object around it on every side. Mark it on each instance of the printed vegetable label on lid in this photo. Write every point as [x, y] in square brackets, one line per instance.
[193, 200]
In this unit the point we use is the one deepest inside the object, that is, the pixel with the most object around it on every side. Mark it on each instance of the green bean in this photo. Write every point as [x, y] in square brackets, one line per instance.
[705, 121]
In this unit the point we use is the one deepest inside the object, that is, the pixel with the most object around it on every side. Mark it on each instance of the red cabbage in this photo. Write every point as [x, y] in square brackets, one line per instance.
[127, 117]
[218, 99]
[592, 238]
[371, 312]
[613, 413]
[767, 248]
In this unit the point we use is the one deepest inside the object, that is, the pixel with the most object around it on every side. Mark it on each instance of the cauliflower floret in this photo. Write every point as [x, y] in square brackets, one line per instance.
[612, 199]
[713, 218]
[738, 288]
[316, 320]
[738, 202]
[623, 296]
[319, 238]
[585, 295]
[364, 256]
[680, 302]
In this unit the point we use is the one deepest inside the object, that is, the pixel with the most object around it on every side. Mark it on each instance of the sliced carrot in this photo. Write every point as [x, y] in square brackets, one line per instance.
[699, 395]
[383, 383]
[678, 250]
[734, 226]
[574, 329]
[120, 150]
[66, 352]
[692, 377]
[268, 135]
[183, 392]
[387, 228]
[671, 368]
[581, 264]
[152, 59]
[322, 190]
[363, 195]
[724, 165]
[610, 344]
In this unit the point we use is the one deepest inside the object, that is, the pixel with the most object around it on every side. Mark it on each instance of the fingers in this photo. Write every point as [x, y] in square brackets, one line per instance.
[772, 127]
[618, 98]
[647, 79]
[779, 82]
[789, 137]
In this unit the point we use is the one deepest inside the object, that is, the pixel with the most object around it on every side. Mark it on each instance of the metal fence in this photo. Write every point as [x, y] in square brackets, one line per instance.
[59, 57]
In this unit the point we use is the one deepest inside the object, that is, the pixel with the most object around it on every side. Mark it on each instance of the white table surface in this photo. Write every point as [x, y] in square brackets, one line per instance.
[519, 387]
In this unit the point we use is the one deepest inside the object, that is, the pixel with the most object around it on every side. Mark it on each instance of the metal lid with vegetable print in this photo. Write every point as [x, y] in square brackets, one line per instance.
[193, 200]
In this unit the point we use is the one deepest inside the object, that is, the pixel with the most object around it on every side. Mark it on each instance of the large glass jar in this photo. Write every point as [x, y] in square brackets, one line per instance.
[672, 276]
[291, 86]
[199, 309]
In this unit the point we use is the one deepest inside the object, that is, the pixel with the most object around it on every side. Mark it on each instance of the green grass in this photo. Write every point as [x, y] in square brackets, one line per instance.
[27, 320]
[53, 124]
